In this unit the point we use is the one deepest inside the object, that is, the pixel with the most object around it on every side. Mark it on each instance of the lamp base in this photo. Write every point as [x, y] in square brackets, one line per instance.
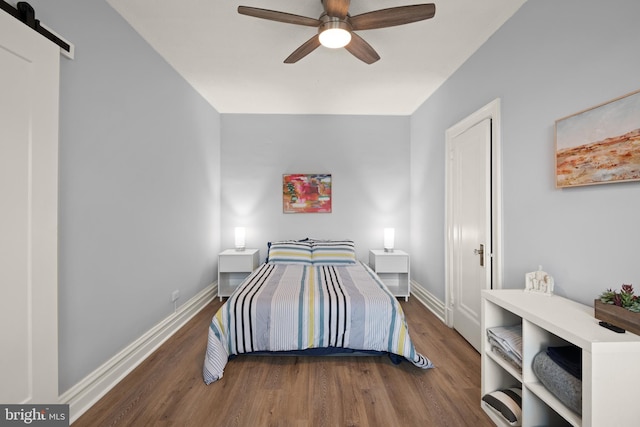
[388, 249]
[240, 249]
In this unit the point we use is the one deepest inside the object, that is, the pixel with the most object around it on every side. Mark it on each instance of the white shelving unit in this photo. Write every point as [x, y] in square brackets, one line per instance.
[393, 269]
[610, 361]
[233, 267]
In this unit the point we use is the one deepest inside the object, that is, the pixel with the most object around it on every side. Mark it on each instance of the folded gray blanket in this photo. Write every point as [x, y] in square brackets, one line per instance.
[564, 386]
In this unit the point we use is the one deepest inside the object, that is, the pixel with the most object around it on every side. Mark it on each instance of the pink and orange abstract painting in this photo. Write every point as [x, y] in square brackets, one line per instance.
[600, 145]
[306, 193]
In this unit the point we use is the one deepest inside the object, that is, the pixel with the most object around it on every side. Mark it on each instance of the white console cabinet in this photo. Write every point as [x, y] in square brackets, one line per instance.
[233, 267]
[610, 361]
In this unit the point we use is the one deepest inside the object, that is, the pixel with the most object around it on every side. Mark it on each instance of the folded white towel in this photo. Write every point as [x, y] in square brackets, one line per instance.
[509, 338]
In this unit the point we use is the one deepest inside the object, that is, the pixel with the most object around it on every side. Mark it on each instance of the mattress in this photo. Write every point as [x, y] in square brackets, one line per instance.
[292, 307]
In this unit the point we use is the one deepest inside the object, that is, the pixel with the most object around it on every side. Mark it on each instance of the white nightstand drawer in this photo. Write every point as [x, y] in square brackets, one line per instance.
[238, 261]
[389, 262]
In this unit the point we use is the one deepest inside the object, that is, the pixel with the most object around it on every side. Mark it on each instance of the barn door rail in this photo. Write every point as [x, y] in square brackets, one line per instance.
[25, 13]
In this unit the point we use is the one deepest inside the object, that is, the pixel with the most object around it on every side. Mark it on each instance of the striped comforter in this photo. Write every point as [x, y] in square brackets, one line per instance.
[284, 307]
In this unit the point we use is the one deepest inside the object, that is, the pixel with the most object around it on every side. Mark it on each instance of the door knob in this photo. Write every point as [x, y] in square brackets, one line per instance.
[481, 253]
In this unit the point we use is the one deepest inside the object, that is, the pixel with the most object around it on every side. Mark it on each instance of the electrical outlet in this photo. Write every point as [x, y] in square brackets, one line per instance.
[175, 295]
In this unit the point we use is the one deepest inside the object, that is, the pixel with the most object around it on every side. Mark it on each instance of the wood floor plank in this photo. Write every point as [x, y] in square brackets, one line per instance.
[295, 391]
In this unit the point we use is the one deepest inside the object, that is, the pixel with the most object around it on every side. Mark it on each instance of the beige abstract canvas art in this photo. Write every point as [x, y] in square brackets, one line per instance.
[600, 145]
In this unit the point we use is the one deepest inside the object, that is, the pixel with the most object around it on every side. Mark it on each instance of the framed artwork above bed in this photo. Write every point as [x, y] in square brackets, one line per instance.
[306, 193]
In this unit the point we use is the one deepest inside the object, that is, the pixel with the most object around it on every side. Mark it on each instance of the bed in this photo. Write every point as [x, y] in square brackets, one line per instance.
[309, 296]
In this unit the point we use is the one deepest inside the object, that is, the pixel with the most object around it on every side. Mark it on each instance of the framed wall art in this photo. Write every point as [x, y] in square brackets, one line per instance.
[306, 193]
[600, 145]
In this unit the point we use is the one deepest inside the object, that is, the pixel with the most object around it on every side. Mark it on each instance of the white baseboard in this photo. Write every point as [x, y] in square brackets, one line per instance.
[428, 300]
[88, 391]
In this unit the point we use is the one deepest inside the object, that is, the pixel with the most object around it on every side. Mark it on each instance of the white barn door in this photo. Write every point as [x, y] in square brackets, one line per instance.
[29, 87]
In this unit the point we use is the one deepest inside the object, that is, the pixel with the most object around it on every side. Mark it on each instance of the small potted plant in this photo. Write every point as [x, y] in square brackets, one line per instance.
[619, 308]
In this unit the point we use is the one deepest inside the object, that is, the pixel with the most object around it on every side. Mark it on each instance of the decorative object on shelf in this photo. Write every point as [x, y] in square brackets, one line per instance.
[625, 298]
[506, 403]
[600, 145]
[389, 236]
[539, 282]
[240, 238]
[619, 308]
[306, 193]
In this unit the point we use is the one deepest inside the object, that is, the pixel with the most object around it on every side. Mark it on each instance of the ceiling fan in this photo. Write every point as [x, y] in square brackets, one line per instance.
[336, 27]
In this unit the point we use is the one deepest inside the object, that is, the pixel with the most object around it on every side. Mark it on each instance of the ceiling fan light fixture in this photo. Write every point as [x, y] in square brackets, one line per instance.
[337, 28]
[334, 34]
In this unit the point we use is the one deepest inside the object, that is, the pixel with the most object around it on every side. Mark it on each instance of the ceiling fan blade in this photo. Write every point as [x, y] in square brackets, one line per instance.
[393, 16]
[337, 8]
[274, 15]
[307, 47]
[361, 49]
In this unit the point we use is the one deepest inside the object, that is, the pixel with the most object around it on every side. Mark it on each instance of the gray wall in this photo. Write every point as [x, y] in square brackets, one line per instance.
[367, 156]
[550, 60]
[139, 186]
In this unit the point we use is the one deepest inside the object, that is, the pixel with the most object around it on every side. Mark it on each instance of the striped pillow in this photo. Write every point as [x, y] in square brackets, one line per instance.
[289, 252]
[506, 403]
[332, 252]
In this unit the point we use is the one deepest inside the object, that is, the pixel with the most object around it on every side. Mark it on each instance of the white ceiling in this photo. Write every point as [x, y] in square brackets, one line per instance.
[236, 61]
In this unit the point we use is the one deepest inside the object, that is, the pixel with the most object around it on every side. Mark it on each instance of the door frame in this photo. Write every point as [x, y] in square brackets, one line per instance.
[489, 111]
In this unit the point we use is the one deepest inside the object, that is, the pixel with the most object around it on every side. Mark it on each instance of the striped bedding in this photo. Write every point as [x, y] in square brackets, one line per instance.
[287, 307]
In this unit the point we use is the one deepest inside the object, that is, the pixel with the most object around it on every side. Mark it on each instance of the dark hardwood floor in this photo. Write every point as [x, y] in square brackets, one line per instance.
[167, 388]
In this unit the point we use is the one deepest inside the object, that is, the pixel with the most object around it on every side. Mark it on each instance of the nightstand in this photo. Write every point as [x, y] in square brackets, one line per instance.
[393, 269]
[233, 267]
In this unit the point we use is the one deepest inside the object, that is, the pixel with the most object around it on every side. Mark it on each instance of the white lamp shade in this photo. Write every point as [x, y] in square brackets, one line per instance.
[240, 238]
[389, 236]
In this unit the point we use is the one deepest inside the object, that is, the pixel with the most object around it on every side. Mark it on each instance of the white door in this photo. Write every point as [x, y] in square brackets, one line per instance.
[29, 85]
[469, 225]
